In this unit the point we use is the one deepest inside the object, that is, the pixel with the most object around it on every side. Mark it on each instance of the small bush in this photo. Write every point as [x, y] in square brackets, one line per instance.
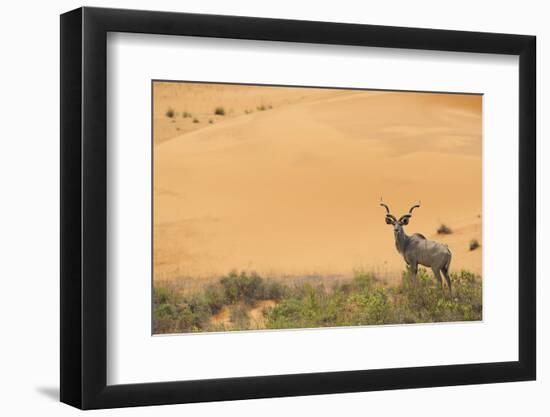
[474, 244]
[219, 111]
[242, 287]
[368, 307]
[210, 121]
[170, 113]
[164, 295]
[215, 298]
[261, 108]
[444, 230]
[195, 120]
[186, 114]
[273, 290]
[173, 313]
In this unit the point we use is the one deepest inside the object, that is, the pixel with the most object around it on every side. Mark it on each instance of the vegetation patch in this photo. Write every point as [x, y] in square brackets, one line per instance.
[444, 230]
[360, 301]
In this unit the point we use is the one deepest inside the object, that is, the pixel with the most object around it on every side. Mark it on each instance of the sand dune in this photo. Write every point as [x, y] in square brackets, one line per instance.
[295, 189]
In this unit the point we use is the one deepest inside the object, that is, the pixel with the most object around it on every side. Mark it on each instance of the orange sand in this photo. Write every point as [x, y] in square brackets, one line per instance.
[295, 189]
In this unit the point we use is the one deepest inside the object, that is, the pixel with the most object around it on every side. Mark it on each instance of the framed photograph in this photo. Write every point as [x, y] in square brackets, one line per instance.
[257, 208]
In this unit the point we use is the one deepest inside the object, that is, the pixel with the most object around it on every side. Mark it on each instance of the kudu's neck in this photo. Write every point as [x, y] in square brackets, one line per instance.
[401, 240]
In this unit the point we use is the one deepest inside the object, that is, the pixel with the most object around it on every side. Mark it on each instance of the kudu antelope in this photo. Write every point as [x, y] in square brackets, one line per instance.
[416, 249]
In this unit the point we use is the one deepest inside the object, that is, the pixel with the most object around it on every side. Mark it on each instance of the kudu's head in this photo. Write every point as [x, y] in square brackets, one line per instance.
[403, 220]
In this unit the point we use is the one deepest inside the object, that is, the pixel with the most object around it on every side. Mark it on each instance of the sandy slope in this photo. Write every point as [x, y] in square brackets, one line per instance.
[295, 190]
[199, 102]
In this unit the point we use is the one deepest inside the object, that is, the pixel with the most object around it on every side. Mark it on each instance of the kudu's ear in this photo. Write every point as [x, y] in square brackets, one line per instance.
[389, 220]
[404, 220]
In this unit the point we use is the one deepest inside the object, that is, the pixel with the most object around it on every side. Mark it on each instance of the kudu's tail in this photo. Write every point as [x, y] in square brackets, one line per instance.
[448, 263]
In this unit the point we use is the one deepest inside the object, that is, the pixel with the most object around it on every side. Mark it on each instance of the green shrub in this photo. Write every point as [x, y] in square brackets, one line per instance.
[358, 302]
[273, 290]
[173, 312]
[170, 113]
[242, 287]
[215, 298]
[219, 111]
[368, 307]
[163, 295]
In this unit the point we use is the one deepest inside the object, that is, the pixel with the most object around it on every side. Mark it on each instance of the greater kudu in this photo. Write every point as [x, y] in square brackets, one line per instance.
[416, 249]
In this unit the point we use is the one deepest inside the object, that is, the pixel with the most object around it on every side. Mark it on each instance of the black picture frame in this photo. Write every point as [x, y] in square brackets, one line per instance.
[84, 207]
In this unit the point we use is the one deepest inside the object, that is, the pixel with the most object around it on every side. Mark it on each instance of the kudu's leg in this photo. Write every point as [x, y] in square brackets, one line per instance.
[414, 270]
[437, 274]
[448, 279]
